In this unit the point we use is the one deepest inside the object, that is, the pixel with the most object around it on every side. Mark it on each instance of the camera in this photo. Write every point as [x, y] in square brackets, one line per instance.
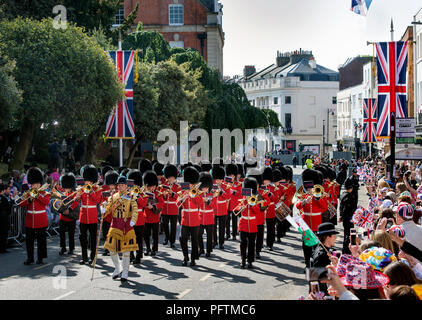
[389, 224]
[353, 236]
[314, 287]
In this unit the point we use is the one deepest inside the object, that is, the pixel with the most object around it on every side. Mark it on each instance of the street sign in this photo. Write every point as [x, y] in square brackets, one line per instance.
[405, 127]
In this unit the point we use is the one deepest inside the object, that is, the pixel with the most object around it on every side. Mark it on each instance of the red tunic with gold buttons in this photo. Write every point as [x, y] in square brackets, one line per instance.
[220, 202]
[152, 217]
[170, 207]
[312, 211]
[235, 195]
[88, 213]
[206, 210]
[190, 211]
[248, 219]
[36, 216]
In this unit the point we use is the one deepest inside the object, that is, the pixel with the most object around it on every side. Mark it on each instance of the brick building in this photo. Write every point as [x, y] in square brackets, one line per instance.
[184, 23]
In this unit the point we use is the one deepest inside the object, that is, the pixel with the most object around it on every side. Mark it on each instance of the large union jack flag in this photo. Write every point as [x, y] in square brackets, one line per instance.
[363, 218]
[369, 120]
[392, 67]
[120, 122]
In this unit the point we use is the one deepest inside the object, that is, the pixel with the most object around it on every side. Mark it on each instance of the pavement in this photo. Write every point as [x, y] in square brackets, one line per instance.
[278, 275]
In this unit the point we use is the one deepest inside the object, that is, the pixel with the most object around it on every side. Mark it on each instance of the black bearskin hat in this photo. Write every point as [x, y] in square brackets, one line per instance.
[231, 169]
[323, 170]
[277, 175]
[197, 167]
[312, 175]
[240, 169]
[105, 169]
[206, 166]
[35, 175]
[150, 178]
[250, 183]
[289, 173]
[144, 165]
[136, 176]
[68, 181]
[267, 174]
[119, 171]
[218, 172]
[89, 173]
[158, 168]
[170, 170]
[191, 175]
[124, 172]
[331, 174]
[284, 173]
[111, 177]
[206, 180]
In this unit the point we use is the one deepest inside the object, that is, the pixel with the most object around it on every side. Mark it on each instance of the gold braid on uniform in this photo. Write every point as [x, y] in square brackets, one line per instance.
[127, 209]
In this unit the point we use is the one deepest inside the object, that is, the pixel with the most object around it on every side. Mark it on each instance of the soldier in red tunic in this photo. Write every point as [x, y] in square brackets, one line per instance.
[247, 224]
[170, 210]
[139, 227]
[36, 221]
[206, 213]
[153, 210]
[273, 195]
[190, 204]
[235, 195]
[220, 205]
[89, 198]
[67, 223]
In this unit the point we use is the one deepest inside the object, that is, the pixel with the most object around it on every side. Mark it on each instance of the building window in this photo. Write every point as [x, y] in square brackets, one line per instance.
[288, 120]
[120, 16]
[275, 100]
[176, 14]
[334, 100]
[287, 99]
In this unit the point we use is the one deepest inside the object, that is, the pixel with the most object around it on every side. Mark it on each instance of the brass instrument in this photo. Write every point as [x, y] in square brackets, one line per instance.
[299, 195]
[318, 189]
[136, 191]
[32, 193]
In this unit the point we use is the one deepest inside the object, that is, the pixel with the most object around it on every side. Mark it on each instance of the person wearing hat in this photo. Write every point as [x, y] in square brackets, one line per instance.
[282, 226]
[206, 213]
[235, 195]
[5, 210]
[144, 165]
[413, 232]
[139, 227]
[36, 221]
[289, 194]
[158, 168]
[334, 190]
[312, 207]
[190, 222]
[153, 210]
[247, 224]
[121, 237]
[220, 205]
[88, 199]
[170, 210]
[67, 219]
[273, 194]
[110, 180]
[348, 206]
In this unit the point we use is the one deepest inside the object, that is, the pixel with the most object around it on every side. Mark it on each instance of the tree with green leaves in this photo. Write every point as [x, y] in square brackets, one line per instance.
[65, 77]
[165, 95]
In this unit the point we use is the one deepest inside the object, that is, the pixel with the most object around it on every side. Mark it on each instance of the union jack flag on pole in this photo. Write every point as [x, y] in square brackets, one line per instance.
[120, 122]
[392, 70]
[369, 120]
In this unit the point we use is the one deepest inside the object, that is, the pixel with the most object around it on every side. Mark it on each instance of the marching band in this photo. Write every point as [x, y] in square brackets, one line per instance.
[213, 199]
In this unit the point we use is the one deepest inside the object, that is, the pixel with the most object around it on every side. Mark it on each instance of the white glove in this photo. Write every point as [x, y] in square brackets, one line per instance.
[132, 223]
[102, 209]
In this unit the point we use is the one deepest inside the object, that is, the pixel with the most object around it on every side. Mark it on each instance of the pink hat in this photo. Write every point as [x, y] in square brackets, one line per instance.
[358, 274]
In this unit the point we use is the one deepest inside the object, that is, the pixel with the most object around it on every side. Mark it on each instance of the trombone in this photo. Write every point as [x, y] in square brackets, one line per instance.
[31, 193]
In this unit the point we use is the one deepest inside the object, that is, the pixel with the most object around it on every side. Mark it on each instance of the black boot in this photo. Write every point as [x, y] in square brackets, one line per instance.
[28, 262]
[62, 251]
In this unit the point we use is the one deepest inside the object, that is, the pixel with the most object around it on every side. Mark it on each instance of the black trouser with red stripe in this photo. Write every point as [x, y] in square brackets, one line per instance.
[83, 238]
[247, 246]
[260, 238]
[38, 234]
[69, 227]
[151, 228]
[270, 231]
[170, 233]
[139, 232]
[185, 233]
[210, 233]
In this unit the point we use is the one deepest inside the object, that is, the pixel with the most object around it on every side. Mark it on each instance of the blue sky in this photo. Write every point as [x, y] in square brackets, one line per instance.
[256, 29]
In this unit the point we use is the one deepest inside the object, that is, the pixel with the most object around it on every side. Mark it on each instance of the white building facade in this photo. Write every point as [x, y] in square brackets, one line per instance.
[305, 104]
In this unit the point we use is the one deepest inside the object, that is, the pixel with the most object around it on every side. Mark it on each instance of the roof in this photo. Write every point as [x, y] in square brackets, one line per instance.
[209, 4]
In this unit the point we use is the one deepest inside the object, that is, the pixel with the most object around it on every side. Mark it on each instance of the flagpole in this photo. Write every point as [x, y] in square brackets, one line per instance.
[120, 140]
[392, 125]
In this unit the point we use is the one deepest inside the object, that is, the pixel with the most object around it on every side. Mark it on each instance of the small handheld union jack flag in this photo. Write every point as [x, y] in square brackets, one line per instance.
[363, 218]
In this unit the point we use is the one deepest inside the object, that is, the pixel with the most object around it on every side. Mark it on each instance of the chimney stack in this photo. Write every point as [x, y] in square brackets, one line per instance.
[248, 71]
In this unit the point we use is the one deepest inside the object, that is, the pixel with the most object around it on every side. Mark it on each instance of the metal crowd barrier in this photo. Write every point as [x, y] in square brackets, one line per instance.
[17, 224]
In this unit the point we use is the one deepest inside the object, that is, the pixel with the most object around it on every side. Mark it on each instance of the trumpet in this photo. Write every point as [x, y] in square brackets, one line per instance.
[31, 193]
[299, 195]
[136, 191]
[318, 189]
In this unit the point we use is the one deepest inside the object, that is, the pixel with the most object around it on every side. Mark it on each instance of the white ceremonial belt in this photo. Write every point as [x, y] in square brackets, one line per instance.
[88, 207]
[248, 218]
[190, 210]
[221, 201]
[206, 210]
[272, 203]
[170, 202]
[312, 213]
[36, 212]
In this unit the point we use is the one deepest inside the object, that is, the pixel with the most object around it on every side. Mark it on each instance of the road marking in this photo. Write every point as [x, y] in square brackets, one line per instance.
[43, 266]
[10, 278]
[64, 295]
[205, 277]
[181, 295]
